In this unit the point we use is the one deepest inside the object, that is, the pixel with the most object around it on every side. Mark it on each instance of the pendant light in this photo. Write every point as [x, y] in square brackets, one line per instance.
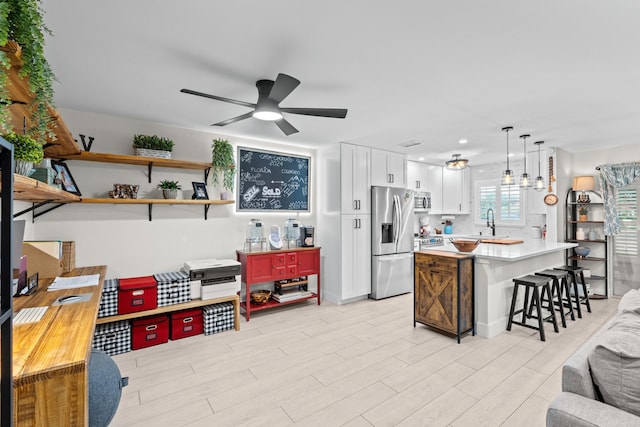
[507, 175]
[525, 179]
[539, 182]
[456, 163]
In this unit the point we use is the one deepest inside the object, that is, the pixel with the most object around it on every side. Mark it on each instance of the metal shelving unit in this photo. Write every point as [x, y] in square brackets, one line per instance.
[600, 244]
[6, 286]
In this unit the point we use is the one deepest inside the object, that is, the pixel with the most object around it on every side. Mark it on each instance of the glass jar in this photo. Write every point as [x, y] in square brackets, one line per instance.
[255, 231]
[292, 229]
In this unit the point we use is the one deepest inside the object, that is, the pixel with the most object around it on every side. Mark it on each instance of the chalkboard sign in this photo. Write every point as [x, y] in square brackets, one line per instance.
[270, 181]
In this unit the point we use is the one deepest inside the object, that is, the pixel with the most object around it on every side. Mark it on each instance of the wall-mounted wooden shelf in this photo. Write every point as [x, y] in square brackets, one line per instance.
[31, 190]
[138, 160]
[151, 202]
[20, 109]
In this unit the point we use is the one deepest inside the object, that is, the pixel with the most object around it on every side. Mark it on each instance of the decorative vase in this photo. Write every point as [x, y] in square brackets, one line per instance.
[582, 218]
[170, 194]
[24, 168]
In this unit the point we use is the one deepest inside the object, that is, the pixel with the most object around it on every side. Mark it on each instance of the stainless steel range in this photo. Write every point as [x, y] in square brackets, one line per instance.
[420, 243]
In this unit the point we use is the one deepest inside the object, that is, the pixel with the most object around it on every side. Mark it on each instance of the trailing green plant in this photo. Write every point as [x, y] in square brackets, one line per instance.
[25, 148]
[153, 142]
[22, 21]
[167, 184]
[223, 162]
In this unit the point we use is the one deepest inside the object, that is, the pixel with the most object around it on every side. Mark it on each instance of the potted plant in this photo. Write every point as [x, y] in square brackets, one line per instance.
[169, 188]
[223, 163]
[24, 36]
[582, 213]
[152, 146]
[26, 152]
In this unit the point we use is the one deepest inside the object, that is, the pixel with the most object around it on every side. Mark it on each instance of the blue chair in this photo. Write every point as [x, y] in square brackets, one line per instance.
[105, 388]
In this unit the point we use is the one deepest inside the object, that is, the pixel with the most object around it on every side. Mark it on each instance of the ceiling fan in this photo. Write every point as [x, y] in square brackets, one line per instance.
[270, 94]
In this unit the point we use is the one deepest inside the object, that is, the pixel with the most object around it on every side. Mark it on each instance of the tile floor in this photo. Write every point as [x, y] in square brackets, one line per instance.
[361, 364]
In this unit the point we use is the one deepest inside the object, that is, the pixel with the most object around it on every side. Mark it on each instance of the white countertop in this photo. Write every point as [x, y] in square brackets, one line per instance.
[530, 248]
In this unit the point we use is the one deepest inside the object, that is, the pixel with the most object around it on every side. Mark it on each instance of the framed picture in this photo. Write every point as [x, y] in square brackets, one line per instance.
[200, 191]
[64, 177]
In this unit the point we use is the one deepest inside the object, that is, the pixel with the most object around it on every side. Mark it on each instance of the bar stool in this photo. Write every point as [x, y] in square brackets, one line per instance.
[574, 273]
[534, 284]
[560, 288]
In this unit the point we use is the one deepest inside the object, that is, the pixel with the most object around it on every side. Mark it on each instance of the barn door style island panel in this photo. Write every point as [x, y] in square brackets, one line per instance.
[444, 291]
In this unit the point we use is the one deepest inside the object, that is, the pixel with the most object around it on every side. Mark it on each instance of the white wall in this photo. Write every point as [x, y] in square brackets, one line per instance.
[121, 236]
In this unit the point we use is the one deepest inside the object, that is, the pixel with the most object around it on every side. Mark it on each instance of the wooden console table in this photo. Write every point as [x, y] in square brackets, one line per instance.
[51, 356]
[270, 266]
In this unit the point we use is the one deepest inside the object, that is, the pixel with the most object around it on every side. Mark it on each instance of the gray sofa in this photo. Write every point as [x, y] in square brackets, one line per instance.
[601, 380]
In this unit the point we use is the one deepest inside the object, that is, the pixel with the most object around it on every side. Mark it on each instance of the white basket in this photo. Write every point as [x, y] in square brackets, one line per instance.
[159, 154]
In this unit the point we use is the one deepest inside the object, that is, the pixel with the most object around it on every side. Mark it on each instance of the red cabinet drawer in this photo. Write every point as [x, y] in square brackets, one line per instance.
[292, 270]
[279, 272]
[279, 259]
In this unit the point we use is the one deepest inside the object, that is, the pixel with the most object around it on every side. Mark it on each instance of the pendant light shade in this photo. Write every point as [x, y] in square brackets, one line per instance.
[525, 179]
[507, 175]
[456, 163]
[538, 185]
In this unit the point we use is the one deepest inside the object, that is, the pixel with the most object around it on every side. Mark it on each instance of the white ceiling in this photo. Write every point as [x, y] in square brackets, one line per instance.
[565, 71]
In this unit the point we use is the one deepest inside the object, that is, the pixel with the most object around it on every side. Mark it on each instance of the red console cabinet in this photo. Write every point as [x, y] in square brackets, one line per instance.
[270, 266]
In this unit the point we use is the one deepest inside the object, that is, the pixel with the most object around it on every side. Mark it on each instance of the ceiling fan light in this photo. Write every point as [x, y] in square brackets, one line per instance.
[457, 163]
[539, 184]
[267, 115]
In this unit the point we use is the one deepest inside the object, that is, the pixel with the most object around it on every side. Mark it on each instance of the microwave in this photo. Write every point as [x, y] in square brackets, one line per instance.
[421, 201]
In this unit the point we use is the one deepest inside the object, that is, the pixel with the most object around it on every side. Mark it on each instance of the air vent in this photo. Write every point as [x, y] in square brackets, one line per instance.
[410, 144]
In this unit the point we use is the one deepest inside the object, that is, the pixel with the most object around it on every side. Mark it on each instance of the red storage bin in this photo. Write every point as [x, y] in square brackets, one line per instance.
[137, 294]
[149, 331]
[186, 323]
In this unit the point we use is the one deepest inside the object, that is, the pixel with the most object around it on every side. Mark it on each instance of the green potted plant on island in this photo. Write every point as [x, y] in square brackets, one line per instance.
[153, 146]
[26, 152]
[223, 163]
[169, 188]
[23, 36]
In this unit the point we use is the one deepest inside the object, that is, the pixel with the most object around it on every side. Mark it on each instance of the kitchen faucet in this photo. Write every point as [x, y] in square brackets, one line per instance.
[491, 224]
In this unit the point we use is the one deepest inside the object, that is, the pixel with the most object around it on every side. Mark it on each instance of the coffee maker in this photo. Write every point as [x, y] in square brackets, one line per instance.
[306, 236]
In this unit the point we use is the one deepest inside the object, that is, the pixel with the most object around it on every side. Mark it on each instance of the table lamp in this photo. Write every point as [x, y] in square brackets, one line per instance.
[583, 184]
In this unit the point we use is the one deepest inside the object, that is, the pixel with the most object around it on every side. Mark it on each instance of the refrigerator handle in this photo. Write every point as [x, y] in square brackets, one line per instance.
[396, 219]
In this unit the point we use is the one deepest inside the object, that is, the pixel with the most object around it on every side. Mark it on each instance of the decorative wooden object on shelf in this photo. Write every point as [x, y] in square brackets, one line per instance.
[50, 357]
[277, 265]
[444, 291]
[20, 109]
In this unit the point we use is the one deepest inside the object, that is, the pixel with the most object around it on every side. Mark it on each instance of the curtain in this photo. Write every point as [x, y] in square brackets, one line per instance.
[611, 177]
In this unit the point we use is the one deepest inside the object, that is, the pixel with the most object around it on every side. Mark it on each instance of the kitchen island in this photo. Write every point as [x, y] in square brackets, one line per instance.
[496, 266]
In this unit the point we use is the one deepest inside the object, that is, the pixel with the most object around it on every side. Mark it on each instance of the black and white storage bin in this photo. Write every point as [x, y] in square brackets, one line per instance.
[113, 338]
[218, 317]
[173, 288]
[109, 299]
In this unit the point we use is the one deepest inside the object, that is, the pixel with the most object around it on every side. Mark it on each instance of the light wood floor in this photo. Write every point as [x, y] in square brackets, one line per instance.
[361, 364]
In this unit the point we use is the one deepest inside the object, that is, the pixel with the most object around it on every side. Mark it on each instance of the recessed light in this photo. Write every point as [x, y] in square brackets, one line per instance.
[421, 158]
[463, 141]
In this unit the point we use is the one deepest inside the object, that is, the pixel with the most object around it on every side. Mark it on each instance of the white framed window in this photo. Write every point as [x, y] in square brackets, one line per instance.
[507, 202]
[626, 242]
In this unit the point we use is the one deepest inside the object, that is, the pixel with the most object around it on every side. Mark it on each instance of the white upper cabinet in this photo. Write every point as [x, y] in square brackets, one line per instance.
[355, 170]
[417, 176]
[435, 188]
[388, 169]
[456, 191]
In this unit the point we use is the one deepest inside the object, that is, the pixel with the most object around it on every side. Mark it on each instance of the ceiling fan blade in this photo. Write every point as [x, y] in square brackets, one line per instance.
[337, 113]
[285, 127]
[219, 98]
[282, 87]
[233, 120]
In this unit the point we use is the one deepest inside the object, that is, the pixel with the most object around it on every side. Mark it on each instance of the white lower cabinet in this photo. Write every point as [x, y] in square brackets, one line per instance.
[356, 255]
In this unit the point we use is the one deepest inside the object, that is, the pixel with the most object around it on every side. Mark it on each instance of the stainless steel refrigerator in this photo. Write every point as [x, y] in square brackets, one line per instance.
[391, 241]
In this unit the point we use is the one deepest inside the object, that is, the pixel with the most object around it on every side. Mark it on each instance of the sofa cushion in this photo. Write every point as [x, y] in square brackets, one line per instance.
[630, 302]
[615, 363]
